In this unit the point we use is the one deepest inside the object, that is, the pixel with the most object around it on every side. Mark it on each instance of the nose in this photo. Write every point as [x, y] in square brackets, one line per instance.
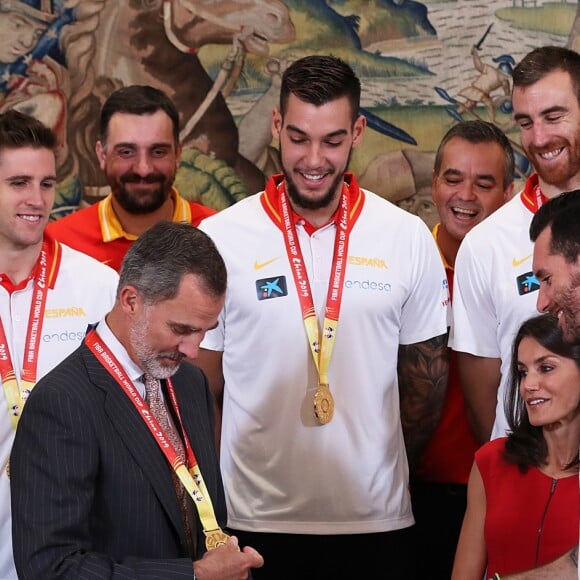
[314, 156]
[189, 346]
[540, 134]
[34, 195]
[529, 382]
[27, 38]
[544, 302]
[142, 164]
[466, 190]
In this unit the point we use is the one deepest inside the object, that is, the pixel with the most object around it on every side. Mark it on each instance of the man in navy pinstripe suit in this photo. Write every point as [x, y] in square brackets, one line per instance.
[93, 474]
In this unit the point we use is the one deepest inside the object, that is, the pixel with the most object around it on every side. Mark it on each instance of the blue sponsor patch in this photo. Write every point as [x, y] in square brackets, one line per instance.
[527, 283]
[275, 287]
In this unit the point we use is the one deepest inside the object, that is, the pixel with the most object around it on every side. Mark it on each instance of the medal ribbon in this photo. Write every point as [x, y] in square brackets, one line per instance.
[320, 346]
[190, 474]
[16, 394]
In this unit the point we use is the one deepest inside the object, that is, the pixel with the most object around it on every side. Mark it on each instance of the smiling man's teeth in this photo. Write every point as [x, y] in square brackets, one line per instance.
[465, 212]
[551, 154]
[30, 218]
[313, 177]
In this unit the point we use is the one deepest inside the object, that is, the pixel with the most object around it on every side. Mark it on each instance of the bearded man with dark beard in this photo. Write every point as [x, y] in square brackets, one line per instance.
[139, 152]
[495, 287]
[306, 402]
[556, 236]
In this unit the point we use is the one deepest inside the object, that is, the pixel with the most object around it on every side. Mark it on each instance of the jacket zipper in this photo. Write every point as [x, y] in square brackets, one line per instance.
[542, 521]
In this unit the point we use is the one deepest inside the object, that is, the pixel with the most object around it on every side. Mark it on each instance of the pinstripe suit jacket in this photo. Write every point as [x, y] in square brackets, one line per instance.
[92, 493]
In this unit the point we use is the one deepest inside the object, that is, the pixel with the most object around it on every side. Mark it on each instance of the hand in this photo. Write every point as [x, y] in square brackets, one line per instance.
[227, 562]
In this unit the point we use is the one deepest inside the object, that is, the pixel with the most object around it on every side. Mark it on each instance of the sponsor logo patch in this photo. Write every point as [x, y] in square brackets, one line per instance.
[275, 287]
[527, 283]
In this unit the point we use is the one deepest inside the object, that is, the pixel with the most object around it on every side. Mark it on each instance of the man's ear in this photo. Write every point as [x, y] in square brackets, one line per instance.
[433, 185]
[101, 154]
[178, 152]
[508, 193]
[358, 130]
[129, 299]
[276, 124]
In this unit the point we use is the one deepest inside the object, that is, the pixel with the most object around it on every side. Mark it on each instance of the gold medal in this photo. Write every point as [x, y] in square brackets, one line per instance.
[215, 539]
[323, 404]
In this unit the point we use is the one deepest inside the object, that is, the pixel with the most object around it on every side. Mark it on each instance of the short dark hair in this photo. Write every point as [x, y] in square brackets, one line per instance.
[137, 100]
[156, 263]
[479, 132]
[319, 79]
[19, 130]
[545, 60]
[562, 215]
[526, 445]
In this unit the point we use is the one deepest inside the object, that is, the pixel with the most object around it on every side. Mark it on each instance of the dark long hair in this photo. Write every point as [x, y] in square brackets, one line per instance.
[526, 445]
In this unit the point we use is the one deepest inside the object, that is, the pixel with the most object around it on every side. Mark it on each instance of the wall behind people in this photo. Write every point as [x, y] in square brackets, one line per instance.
[424, 66]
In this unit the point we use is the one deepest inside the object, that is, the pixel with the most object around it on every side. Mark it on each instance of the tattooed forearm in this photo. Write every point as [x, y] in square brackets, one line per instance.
[423, 370]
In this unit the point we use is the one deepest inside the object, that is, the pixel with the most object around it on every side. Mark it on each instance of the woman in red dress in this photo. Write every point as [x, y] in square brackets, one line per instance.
[522, 499]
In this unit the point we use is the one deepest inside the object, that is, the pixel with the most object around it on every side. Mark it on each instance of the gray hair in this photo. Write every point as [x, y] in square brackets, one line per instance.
[157, 262]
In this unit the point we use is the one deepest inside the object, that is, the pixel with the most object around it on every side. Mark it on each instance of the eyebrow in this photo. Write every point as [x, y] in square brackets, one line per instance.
[25, 176]
[456, 172]
[136, 146]
[182, 327]
[541, 359]
[452, 171]
[337, 133]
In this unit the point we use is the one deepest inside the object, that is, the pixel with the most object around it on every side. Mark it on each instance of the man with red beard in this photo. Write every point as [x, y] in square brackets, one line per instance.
[139, 152]
[495, 288]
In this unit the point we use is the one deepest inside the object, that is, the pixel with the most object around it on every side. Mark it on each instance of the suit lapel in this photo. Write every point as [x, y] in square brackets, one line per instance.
[135, 435]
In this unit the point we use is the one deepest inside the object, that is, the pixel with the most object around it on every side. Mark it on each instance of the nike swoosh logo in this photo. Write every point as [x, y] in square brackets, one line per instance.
[260, 265]
[516, 263]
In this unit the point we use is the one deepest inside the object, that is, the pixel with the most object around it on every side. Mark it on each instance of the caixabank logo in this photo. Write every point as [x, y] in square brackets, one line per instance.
[268, 288]
[527, 283]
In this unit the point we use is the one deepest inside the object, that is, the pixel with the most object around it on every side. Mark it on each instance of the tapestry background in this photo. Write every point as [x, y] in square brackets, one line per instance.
[424, 66]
